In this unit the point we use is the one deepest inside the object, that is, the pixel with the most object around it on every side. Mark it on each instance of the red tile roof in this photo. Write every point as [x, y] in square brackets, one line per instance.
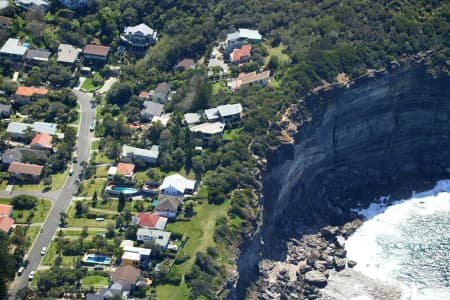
[126, 273]
[43, 139]
[238, 54]
[125, 168]
[5, 210]
[5, 224]
[30, 91]
[148, 220]
[144, 94]
[96, 50]
[21, 168]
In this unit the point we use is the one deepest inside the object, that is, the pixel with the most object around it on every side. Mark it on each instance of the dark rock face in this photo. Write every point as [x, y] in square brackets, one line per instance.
[384, 133]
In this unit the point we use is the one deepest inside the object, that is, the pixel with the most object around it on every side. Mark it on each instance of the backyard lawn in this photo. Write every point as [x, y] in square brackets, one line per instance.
[96, 281]
[89, 188]
[40, 212]
[232, 134]
[277, 51]
[101, 158]
[101, 171]
[57, 183]
[88, 85]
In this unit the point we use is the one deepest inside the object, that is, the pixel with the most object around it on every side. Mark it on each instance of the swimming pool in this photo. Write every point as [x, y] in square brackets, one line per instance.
[97, 259]
[124, 189]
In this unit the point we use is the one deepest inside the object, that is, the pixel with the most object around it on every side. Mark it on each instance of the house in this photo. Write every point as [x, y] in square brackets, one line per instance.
[163, 119]
[126, 170]
[242, 37]
[131, 154]
[128, 276]
[21, 154]
[6, 224]
[13, 49]
[5, 110]
[67, 54]
[143, 95]
[161, 92]
[96, 53]
[17, 130]
[27, 4]
[139, 37]
[74, 4]
[150, 221]
[177, 185]
[25, 94]
[192, 118]
[168, 206]
[240, 55]
[184, 64]
[161, 238]
[152, 109]
[28, 172]
[6, 210]
[135, 255]
[212, 114]
[225, 113]
[37, 56]
[208, 130]
[44, 127]
[249, 79]
[42, 141]
[5, 22]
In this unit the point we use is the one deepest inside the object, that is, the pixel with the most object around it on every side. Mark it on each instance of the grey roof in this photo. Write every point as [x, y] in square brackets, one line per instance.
[67, 53]
[168, 203]
[152, 153]
[5, 108]
[13, 46]
[141, 29]
[163, 88]
[212, 114]
[12, 155]
[41, 55]
[229, 109]
[209, 128]
[160, 237]
[153, 108]
[244, 33]
[19, 128]
[192, 118]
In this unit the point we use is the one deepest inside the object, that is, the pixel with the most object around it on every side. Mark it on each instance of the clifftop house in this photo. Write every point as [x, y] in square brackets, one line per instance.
[139, 37]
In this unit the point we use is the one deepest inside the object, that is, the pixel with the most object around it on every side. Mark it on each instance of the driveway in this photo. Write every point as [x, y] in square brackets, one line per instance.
[60, 198]
[107, 85]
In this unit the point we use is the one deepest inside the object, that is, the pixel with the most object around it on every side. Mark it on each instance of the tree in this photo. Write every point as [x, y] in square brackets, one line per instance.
[85, 232]
[24, 202]
[202, 96]
[60, 241]
[110, 230]
[121, 203]
[78, 209]
[48, 181]
[94, 199]
[120, 93]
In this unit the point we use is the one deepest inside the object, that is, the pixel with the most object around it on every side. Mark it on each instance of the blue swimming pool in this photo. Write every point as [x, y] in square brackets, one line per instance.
[97, 259]
[124, 189]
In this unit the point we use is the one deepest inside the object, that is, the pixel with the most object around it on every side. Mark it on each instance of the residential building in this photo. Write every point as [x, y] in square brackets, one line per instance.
[163, 119]
[6, 210]
[6, 224]
[17, 130]
[168, 206]
[143, 95]
[212, 114]
[42, 141]
[27, 4]
[207, 130]
[135, 256]
[249, 79]
[126, 170]
[37, 56]
[25, 94]
[139, 37]
[132, 153]
[184, 64]
[27, 172]
[5, 22]
[241, 37]
[241, 55]
[177, 185]
[21, 154]
[225, 113]
[161, 92]
[44, 127]
[96, 53]
[13, 49]
[74, 4]
[5, 110]
[68, 54]
[150, 221]
[161, 238]
[152, 109]
[192, 118]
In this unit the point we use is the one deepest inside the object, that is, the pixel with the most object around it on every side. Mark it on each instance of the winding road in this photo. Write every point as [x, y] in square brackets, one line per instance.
[60, 198]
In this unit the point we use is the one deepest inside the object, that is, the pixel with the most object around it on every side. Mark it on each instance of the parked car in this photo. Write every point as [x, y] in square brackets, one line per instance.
[71, 171]
[44, 249]
[31, 276]
[20, 271]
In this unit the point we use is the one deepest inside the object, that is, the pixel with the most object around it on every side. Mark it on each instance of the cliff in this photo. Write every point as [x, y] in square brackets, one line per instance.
[383, 132]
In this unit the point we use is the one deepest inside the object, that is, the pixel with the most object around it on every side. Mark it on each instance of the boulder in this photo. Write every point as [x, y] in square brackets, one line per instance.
[341, 253]
[316, 278]
[339, 264]
[351, 263]
[329, 232]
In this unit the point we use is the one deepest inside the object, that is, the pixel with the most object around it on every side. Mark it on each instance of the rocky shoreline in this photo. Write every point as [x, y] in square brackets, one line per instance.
[310, 260]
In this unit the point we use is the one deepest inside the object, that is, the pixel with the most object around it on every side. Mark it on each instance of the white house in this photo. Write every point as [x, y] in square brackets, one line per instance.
[241, 37]
[225, 113]
[177, 185]
[208, 130]
[132, 153]
[13, 49]
[139, 37]
[161, 238]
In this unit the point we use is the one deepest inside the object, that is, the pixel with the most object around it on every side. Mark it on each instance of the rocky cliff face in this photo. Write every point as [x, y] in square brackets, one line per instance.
[385, 131]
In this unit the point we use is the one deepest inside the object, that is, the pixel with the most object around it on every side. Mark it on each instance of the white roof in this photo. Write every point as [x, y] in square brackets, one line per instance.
[192, 118]
[13, 46]
[141, 29]
[229, 109]
[67, 53]
[164, 119]
[19, 128]
[212, 114]
[178, 182]
[126, 243]
[131, 256]
[112, 170]
[138, 250]
[15, 127]
[28, 3]
[209, 128]
[160, 237]
[244, 33]
[152, 153]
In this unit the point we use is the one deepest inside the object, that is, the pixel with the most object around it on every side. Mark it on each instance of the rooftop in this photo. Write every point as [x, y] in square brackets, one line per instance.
[178, 182]
[151, 221]
[125, 168]
[96, 50]
[30, 91]
[237, 54]
[229, 109]
[138, 250]
[29, 169]
[68, 53]
[168, 203]
[6, 223]
[186, 63]
[5, 20]
[163, 88]
[152, 153]
[153, 108]
[141, 29]
[13, 47]
[244, 33]
[126, 273]
[38, 54]
[209, 128]
[44, 127]
[253, 76]
[5, 209]
[192, 118]
[42, 139]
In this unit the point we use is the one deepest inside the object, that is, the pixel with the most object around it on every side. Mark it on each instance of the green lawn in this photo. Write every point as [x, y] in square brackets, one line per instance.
[50, 255]
[88, 85]
[97, 281]
[57, 183]
[40, 212]
[89, 188]
[217, 86]
[101, 171]
[277, 51]
[3, 185]
[232, 134]
[32, 233]
[200, 230]
[101, 158]
[95, 145]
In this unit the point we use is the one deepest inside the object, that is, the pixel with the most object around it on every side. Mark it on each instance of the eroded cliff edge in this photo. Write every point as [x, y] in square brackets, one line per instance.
[384, 132]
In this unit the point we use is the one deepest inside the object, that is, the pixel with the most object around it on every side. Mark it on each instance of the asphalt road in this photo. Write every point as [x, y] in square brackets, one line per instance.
[60, 198]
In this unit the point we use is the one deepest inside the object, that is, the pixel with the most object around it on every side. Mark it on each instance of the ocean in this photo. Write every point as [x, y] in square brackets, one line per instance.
[407, 243]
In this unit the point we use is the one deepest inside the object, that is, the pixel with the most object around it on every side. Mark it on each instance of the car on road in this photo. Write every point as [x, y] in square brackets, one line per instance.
[91, 127]
[31, 276]
[20, 271]
[44, 249]
[71, 171]
[98, 267]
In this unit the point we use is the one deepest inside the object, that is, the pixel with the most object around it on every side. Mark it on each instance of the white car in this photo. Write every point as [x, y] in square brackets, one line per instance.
[44, 249]
[71, 171]
[31, 276]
